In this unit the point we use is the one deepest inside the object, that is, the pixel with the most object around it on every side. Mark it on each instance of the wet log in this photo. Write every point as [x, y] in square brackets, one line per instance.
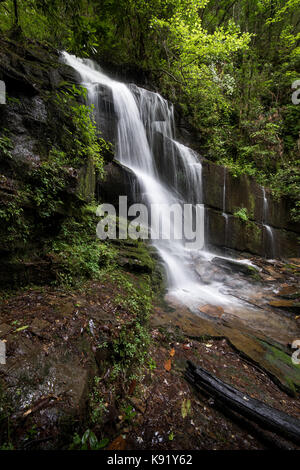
[251, 409]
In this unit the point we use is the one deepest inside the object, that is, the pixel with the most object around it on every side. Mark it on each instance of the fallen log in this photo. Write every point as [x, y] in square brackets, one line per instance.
[254, 410]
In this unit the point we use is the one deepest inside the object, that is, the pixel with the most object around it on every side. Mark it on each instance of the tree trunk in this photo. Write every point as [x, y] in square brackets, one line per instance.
[232, 399]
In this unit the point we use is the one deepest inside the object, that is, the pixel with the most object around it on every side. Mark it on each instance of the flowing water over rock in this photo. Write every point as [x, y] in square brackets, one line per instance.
[270, 238]
[141, 115]
[225, 215]
[173, 175]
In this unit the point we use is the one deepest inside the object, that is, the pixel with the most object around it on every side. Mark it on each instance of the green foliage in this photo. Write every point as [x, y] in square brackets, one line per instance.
[130, 347]
[239, 167]
[81, 141]
[96, 404]
[131, 350]
[88, 441]
[242, 214]
[79, 253]
[46, 185]
[15, 227]
[129, 413]
[65, 24]
[5, 146]
[287, 182]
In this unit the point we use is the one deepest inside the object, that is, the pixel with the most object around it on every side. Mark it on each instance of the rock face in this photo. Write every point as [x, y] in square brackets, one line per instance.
[247, 235]
[30, 127]
[106, 117]
[118, 181]
[268, 229]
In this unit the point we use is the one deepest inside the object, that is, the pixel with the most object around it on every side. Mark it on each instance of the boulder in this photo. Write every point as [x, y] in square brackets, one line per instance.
[235, 266]
[119, 181]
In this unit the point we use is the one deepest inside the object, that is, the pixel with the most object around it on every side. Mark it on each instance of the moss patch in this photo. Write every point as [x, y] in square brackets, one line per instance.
[281, 360]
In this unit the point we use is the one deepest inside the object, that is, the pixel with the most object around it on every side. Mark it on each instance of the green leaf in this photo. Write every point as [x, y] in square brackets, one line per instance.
[22, 328]
[103, 443]
[185, 408]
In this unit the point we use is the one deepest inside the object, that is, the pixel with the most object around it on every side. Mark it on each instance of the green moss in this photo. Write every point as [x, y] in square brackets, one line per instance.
[282, 361]
[80, 139]
[46, 203]
[87, 181]
[255, 231]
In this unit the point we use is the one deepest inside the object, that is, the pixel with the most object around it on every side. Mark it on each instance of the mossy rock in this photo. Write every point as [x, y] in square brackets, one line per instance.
[290, 372]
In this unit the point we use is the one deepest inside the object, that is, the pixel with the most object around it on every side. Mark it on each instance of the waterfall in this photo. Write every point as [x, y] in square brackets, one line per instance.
[144, 118]
[268, 230]
[224, 214]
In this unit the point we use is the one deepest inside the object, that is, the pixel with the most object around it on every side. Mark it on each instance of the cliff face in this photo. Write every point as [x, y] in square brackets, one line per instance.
[267, 229]
[36, 195]
[266, 218]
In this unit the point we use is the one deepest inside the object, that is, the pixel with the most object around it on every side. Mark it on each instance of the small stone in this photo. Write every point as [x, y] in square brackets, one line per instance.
[38, 326]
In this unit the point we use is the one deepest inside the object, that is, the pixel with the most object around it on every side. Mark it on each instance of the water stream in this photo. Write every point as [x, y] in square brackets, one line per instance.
[142, 115]
[172, 174]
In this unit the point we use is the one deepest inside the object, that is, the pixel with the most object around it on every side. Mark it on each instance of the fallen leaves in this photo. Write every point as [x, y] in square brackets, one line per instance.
[117, 444]
[132, 387]
[168, 363]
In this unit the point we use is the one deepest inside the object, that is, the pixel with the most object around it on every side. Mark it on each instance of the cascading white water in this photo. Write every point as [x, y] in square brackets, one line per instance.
[144, 116]
[225, 215]
[268, 229]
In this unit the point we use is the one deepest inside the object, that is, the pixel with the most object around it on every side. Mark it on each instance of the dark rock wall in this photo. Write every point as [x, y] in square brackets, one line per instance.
[33, 74]
[250, 235]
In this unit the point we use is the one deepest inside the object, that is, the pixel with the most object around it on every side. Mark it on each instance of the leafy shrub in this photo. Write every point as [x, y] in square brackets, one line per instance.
[80, 140]
[242, 214]
[286, 182]
[77, 250]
